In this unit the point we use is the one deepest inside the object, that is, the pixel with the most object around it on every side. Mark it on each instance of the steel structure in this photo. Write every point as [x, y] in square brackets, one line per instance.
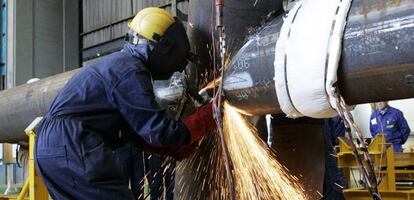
[377, 59]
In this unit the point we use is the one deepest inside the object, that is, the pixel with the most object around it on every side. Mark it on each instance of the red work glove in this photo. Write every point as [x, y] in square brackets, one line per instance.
[200, 123]
[185, 152]
[178, 153]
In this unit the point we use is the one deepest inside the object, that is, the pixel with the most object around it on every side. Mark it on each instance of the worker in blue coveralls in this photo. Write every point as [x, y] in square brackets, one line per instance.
[390, 121]
[334, 180]
[73, 150]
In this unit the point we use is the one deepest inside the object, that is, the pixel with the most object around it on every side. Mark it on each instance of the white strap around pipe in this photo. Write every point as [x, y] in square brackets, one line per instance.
[307, 56]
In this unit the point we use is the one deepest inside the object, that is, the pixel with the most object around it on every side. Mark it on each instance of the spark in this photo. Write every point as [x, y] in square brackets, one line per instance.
[257, 174]
[213, 84]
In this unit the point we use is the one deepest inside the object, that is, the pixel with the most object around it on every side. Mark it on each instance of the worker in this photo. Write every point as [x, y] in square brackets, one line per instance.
[74, 144]
[334, 181]
[161, 174]
[390, 121]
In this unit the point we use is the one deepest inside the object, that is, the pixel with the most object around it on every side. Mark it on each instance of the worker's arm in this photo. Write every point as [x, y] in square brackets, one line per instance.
[178, 153]
[404, 128]
[135, 99]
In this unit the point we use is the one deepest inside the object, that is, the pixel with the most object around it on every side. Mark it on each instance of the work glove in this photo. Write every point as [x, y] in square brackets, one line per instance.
[200, 123]
[185, 152]
[179, 153]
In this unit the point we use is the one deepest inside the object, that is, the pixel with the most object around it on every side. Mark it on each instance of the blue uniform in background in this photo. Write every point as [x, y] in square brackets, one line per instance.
[391, 121]
[73, 149]
[333, 128]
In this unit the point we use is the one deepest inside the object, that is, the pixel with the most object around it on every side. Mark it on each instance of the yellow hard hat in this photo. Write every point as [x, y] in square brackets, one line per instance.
[151, 23]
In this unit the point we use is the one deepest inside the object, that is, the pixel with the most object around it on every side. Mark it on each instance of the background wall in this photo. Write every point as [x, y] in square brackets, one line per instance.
[104, 22]
[42, 39]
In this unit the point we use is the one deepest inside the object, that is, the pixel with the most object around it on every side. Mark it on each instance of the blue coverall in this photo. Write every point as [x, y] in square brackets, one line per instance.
[393, 124]
[130, 160]
[73, 154]
[333, 128]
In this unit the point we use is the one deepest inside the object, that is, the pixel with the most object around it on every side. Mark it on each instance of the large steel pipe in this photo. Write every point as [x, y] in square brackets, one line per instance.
[22, 104]
[377, 59]
[377, 64]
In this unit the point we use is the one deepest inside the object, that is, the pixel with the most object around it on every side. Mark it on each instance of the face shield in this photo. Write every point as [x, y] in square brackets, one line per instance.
[171, 53]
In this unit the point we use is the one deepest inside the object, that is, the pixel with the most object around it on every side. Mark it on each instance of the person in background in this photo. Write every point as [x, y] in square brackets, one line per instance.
[334, 180]
[390, 121]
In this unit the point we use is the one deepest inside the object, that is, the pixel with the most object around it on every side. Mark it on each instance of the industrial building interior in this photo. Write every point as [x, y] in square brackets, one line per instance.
[86, 111]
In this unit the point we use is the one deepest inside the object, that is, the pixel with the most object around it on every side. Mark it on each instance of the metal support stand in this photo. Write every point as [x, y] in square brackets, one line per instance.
[34, 184]
[390, 168]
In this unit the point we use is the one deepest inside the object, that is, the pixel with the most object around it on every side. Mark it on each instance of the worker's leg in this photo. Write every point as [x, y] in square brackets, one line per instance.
[123, 159]
[332, 188]
[77, 167]
[342, 180]
[169, 178]
[52, 165]
[397, 148]
[137, 178]
[155, 176]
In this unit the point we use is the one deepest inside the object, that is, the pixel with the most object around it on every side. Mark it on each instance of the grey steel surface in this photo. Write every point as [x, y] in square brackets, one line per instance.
[378, 54]
[377, 59]
[22, 104]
